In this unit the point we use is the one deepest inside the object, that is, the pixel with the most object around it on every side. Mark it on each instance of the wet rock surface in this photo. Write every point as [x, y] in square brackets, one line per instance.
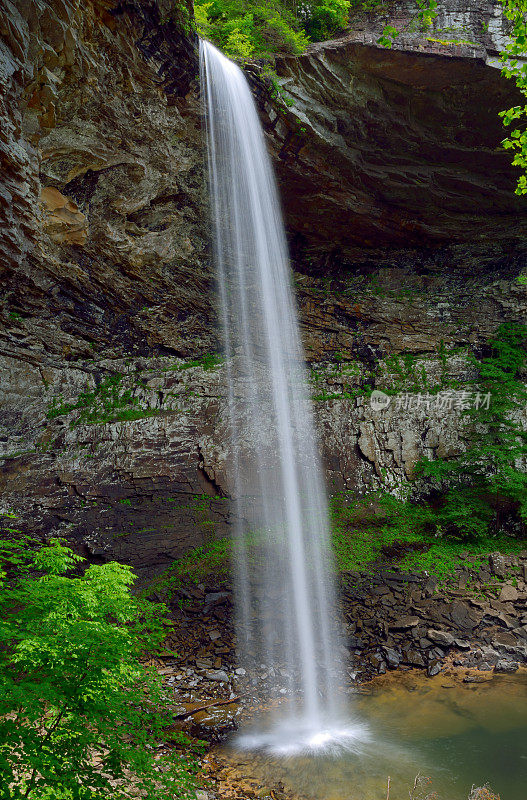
[462, 628]
[469, 629]
[106, 272]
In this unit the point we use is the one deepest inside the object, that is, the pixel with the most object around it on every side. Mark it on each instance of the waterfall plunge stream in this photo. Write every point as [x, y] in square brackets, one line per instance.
[286, 617]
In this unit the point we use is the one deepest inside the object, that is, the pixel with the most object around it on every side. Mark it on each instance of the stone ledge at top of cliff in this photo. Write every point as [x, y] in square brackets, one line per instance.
[401, 147]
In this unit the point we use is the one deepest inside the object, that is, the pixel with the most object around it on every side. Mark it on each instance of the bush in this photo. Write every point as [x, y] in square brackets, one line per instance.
[79, 713]
[260, 28]
[322, 18]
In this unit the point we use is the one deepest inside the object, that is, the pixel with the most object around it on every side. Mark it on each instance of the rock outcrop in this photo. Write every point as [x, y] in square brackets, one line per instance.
[400, 147]
[104, 215]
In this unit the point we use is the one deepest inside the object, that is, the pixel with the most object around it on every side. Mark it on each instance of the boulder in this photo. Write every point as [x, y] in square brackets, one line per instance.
[434, 668]
[393, 659]
[509, 594]
[441, 637]
[506, 666]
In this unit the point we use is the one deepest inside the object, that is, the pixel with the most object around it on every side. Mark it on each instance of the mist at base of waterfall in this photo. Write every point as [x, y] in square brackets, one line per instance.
[441, 734]
[287, 736]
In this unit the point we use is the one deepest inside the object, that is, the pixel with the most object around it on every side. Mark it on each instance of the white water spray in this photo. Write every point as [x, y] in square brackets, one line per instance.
[285, 599]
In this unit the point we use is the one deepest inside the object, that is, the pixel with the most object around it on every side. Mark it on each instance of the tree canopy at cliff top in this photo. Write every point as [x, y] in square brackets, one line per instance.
[260, 28]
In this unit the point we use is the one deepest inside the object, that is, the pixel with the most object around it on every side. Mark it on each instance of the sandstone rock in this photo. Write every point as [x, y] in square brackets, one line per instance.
[403, 623]
[508, 594]
[503, 638]
[63, 221]
[328, 163]
[441, 637]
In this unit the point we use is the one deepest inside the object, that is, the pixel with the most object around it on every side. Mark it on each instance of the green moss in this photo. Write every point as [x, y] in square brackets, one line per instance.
[107, 402]
[366, 538]
[207, 362]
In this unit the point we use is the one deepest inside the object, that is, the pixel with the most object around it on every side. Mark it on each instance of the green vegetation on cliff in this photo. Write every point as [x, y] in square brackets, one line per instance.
[456, 510]
[463, 506]
[261, 28]
[481, 491]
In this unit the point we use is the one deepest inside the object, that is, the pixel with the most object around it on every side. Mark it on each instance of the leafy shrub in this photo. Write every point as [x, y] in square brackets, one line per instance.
[514, 68]
[80, 715]
[323, 18]
[260, 28]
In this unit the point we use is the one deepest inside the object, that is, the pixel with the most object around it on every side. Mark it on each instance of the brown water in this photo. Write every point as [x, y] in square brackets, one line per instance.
[454, 734]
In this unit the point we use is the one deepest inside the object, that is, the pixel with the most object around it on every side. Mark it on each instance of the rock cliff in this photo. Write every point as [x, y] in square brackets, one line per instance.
[406, 236]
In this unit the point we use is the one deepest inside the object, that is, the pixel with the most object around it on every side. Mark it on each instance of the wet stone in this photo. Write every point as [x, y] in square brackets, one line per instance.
[508, 594]
[433, 669]
[217, 675]
[441, 637]
[393, 659]
[403, 623]
[463, 616]
[506, 666]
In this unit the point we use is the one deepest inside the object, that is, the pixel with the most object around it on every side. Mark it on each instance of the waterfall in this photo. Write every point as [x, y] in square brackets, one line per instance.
[286, 616]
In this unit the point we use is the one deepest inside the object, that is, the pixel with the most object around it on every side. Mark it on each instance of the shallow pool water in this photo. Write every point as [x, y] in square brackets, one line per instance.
[453, 734]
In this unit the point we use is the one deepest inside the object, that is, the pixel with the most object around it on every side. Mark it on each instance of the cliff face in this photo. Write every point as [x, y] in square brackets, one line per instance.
[400, 147]
[406, 236]
[103, 212]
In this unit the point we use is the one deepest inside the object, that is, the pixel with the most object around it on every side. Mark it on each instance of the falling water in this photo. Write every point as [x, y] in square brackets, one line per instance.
[285, 603]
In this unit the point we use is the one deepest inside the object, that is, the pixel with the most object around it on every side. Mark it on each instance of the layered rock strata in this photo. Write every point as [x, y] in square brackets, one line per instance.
[406, 236]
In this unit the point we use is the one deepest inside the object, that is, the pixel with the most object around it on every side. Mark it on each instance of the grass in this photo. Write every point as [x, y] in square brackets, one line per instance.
[107, 402]
[363, 541]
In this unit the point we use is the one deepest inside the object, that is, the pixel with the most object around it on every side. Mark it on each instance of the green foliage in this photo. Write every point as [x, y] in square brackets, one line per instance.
[424, 17]
[380, 529]
[260, 28]
[80, 716]
[107, 402]
[208, 362]
[322, 18]
[515, 118]
[482, 490]
[250, 28]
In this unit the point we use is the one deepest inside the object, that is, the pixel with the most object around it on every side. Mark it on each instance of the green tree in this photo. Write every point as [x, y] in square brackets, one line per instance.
[515, 69]
[261, 28]
[322, 18]
[80, 715]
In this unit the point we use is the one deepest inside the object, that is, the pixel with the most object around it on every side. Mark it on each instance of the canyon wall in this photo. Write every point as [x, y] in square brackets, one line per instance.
[407, 243]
